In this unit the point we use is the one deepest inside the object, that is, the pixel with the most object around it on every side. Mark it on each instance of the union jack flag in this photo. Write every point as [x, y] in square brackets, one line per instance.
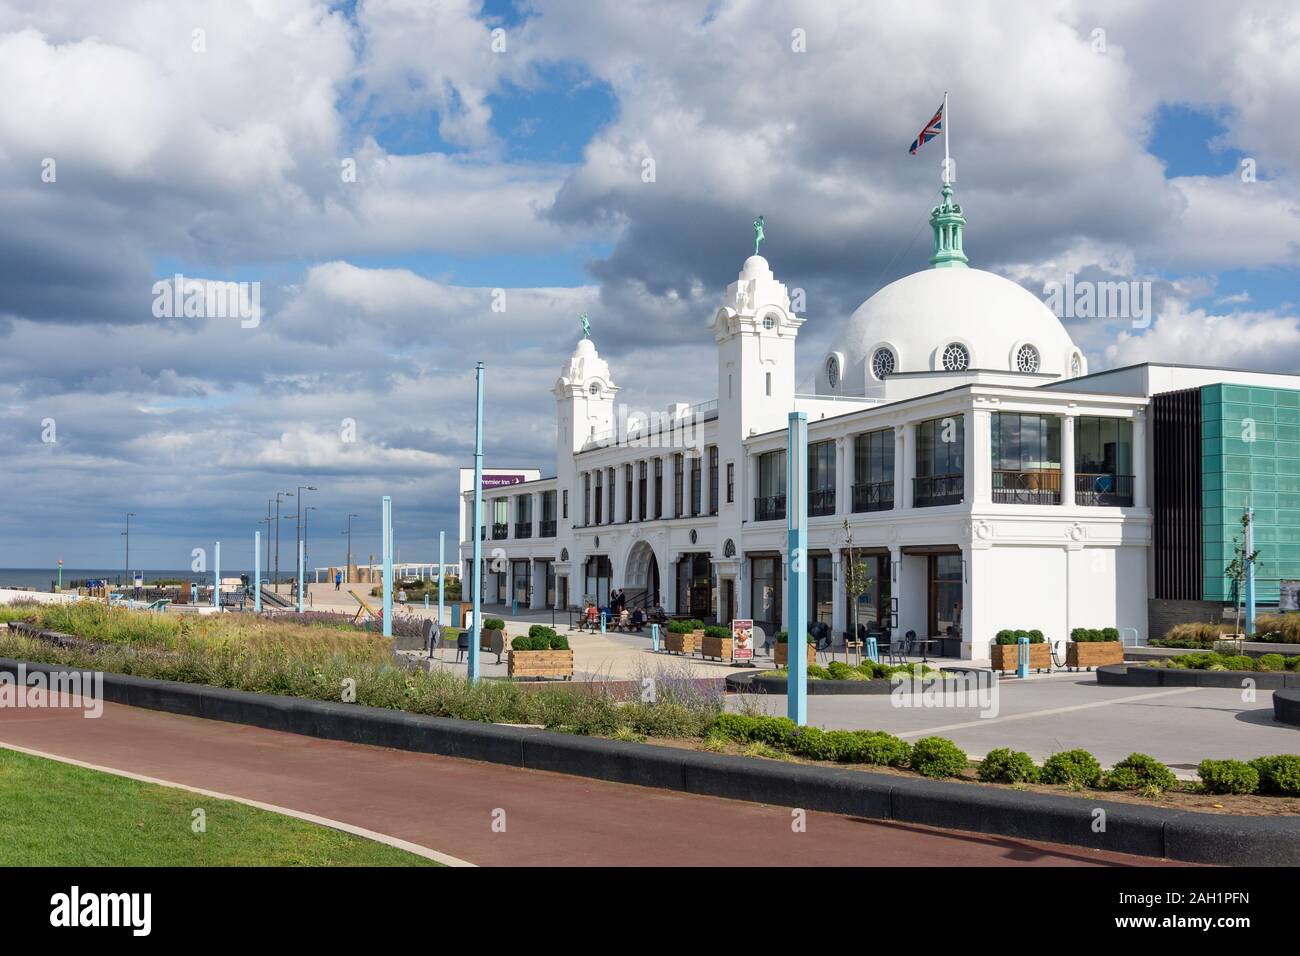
[931, 130]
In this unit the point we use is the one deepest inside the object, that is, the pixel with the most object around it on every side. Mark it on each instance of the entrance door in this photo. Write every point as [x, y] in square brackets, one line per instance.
[945, 595]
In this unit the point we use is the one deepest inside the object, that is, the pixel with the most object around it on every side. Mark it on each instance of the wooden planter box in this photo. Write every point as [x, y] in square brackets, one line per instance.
[1092, 654]
[541, 664]
[781, 654]
[719, 647]
[682, 643]
[1005, 656]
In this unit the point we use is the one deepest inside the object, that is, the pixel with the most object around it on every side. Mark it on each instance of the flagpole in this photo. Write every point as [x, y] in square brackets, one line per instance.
[946, 130]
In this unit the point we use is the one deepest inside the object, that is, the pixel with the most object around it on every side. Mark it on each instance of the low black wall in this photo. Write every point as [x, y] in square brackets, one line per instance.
[1149, 831]
[1125, 675]
[1286, 706]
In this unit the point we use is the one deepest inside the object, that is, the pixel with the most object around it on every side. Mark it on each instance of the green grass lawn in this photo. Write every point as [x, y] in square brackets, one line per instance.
[54, 814]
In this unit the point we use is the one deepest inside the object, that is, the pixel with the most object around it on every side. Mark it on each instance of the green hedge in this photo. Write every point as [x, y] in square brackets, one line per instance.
[540, 638]
[1278, 774]
[1092, 635]
[938, 757]
[1007, 766]
[1010, 636]
[493, 624]
[714, 630]
[1140, 772]
[783, 637]
[1228, 776]
[1071, 768]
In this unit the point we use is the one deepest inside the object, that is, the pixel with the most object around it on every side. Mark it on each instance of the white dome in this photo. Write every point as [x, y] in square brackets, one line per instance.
[974, 317]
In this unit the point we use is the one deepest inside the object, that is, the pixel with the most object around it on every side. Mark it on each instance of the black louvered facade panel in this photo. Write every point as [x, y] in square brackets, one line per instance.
[1176, 440]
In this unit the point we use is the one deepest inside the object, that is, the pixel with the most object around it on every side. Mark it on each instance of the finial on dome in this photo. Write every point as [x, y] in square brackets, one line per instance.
[586, 325]
[758, 233]
[947, 221]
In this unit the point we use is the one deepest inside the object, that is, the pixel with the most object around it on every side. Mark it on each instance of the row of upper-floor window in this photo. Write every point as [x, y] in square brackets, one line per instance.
[1025, 464]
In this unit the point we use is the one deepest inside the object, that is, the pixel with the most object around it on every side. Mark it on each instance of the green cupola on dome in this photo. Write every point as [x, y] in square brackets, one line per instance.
[947, 222]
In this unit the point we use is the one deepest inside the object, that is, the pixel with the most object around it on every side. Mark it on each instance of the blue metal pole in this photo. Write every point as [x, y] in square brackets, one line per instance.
[216, 577]
[1250, 571]
[387, 518]
[654, 637]
[257, 572]
[1022, 657]
[301, 557]
[478, 521]
[442, 539]
[796, 625]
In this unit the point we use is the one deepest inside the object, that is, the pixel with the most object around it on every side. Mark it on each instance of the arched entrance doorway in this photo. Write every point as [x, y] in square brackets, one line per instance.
[641, 580]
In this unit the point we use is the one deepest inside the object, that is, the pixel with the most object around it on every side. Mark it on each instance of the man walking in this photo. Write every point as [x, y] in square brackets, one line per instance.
[338, 580]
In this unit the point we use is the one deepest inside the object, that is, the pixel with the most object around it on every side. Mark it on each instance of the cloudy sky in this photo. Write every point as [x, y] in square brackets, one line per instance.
[380, 167]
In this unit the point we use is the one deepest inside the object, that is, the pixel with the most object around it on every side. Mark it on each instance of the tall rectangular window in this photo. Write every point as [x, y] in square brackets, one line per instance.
[679, 500]
[769, 505]
[641, 471]
[940, 461]
[586, 498]
[564, 505]
[713, 479]
[731, 482]
[597, 495]
[873, 471]
[1103, 461]
[1026, 458]
[697, 464]
[821, 478]
[627, 493]
[659, 487]
[610, 477]
[821, 589]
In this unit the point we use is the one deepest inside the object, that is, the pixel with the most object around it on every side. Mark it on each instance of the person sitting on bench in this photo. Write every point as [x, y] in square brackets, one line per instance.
[638, 620]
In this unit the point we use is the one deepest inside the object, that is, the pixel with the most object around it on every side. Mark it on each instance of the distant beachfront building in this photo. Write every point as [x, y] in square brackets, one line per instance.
[987, 479]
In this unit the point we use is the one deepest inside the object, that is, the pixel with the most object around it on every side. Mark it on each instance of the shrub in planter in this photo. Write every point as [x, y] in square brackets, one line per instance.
[1010, 636]
[1278, 628]
[813, 743]
[1007, 766]
[680, 627]
[878, 747]
[1074, 768]
[493, 624]
[1140, 772]
[1278, 774]
[783, 637]
[714, 631]
[1204, 633]
[1093, 647]
[538, 630]
[558, 642]
[838, 670]
[1005, 654]
[817, 672]
[937, 757]
[1270, 662]
[1228, 776]
[1238, 662]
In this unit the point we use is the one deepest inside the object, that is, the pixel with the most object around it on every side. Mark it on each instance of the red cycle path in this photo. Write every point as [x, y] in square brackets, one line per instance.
[550, 819]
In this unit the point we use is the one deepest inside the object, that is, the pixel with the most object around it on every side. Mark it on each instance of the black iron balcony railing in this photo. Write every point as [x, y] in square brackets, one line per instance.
[933, 490]
[873, 496]
[821, 502]
[500, 530]
[523, 529]
[1103, 490]
[546, 530]
[771, 508]
[1033, 487]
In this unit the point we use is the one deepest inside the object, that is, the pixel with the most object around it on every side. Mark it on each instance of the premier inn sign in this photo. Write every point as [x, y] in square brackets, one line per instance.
[502, 481]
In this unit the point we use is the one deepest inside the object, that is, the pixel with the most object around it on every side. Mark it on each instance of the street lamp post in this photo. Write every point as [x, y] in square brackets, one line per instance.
[796, 498]
[387, 519]
[347, 568]
[267, 565]
[297, 528]
[304, 536]
[278, 496]
[478, 520]
[127, 532]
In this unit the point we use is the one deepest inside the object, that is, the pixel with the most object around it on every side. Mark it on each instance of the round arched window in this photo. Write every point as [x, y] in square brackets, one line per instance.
[882, 363]
[955, 357]
[594, 388]
[769, 322]
[833, 371]
[1027, 359]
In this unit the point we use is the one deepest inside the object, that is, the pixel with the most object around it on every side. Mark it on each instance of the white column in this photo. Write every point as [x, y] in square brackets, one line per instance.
[904, 464]
[614, 484]
[1067, 461]
[537, 514]
[843, 477]
[704, 480]
[636, 490]
[978, 452]
[1140, 458]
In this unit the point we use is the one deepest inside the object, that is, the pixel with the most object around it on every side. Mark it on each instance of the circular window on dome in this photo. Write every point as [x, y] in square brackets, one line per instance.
[882, 363]
[1027, 359]
[955, 357]
[833, 371]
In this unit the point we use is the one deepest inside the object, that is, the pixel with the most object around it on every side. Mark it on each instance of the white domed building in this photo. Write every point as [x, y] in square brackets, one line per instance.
[958, 448]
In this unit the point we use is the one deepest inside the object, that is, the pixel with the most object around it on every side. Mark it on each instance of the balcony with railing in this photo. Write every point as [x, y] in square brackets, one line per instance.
[770, 508]
[523, 529]
[821, 502]
[1031, 487]
[500, 530]
[546, 529]
[1103, 490]
[873, 496]
[931, 491]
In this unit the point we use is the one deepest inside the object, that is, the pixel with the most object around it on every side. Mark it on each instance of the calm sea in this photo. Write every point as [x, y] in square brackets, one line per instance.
[42, 578]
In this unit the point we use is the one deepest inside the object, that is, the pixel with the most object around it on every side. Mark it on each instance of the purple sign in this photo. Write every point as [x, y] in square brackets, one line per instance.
[501, 481]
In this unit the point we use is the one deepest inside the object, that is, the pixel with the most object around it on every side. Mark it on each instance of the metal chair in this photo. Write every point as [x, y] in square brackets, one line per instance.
[821, 635]
[899, 648]
[462, 645]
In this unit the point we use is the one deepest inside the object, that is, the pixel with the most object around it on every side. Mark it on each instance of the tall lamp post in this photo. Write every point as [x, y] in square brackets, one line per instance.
[478, 520]
[267, 565]
[127, 532]
[305, 553]
[387, 519]
[278, 496]
[347, 568]
[796, 504]
[297, 528]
